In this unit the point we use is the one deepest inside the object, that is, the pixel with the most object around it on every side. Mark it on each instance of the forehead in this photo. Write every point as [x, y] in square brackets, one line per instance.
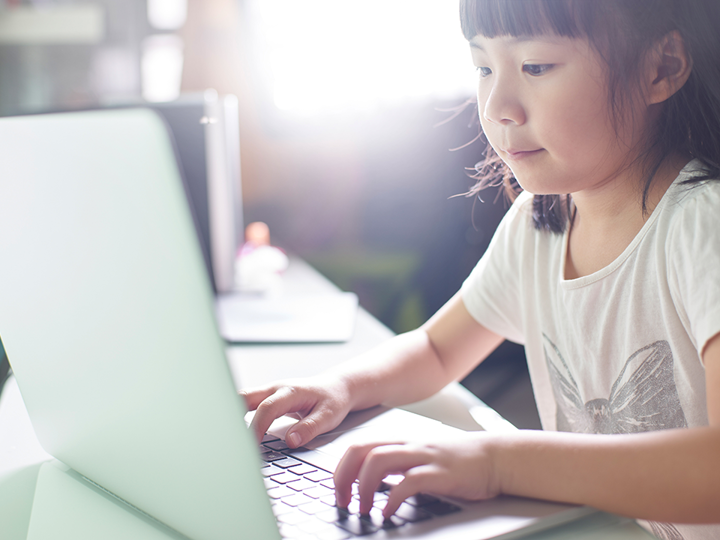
[557, 46]
[481, 42]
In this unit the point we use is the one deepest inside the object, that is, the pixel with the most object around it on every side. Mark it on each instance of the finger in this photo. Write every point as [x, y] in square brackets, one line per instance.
[418, 479]
[382, 461]
[347, 471]
[254, 396]
[320, 420]
[284, 400]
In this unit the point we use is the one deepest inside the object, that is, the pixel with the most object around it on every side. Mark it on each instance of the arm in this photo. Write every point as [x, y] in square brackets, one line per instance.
[671, 475]
[445, 349]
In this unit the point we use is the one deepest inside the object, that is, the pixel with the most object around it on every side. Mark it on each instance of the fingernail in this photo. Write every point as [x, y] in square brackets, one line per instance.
[293, 439]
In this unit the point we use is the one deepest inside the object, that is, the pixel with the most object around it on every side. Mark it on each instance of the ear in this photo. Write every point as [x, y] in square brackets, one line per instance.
[668, 67]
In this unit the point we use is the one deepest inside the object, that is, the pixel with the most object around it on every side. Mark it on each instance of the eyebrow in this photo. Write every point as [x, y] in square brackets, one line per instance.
[518, 39]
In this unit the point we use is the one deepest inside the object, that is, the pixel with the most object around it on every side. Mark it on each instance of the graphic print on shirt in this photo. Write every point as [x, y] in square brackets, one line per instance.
[665, 531]
[643, 398]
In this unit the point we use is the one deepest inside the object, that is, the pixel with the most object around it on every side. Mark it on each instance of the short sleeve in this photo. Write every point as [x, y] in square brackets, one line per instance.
[491, 293]
[693, 260]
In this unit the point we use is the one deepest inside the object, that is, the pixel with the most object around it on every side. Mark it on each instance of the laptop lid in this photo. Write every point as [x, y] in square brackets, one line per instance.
[106, 314]
[107, 317]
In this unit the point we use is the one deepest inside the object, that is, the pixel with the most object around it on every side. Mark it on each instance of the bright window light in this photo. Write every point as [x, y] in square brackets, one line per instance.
[336, 55]
[161, 67]
[167, 14]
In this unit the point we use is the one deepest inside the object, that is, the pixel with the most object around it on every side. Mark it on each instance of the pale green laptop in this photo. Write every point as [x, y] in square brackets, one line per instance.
[106, 314]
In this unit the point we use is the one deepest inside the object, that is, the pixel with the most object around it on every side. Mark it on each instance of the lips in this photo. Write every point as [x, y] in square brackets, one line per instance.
[515, 154]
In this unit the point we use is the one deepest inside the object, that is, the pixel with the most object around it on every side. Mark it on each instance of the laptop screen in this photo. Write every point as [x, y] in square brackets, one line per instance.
[107, 315]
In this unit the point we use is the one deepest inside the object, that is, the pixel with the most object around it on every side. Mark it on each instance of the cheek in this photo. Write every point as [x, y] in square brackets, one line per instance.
[578, 129]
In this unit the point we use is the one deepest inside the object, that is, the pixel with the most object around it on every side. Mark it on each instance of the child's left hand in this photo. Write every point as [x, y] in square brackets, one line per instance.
[462, 467]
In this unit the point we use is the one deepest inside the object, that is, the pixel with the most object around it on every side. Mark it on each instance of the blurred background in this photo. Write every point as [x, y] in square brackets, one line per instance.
[356, 130]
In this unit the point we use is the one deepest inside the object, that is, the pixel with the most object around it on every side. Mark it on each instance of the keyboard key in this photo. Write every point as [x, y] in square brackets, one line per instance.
[313, 457]
[277, 445]
[284, 478]
[286, 463]
[331, 515]
[301, 469]
[319, 476]
[271, 455]
[269, 438]
[312, 508]
[359, 527]
[302, 484]
[376, 517]
[279, 508]
[297, 500]
[293, 518]
[270, 470]
[280, 491]
[330, 484]
[318, 491]
[354, 506]
[328, 499]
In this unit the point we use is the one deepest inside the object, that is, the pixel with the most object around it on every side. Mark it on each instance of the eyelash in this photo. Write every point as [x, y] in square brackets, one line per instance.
[534, 70]
[537, 69]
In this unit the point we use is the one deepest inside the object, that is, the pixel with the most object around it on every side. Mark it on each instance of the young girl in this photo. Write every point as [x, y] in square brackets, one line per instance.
[607, 267]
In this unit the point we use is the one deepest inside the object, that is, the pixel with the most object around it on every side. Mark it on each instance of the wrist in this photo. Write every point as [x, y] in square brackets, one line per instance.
[350, 388]
[500, 449]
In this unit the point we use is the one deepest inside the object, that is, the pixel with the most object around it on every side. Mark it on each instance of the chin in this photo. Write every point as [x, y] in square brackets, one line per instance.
[541, 186]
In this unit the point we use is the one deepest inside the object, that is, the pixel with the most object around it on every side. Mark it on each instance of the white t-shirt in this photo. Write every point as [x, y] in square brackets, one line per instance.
[616, 351]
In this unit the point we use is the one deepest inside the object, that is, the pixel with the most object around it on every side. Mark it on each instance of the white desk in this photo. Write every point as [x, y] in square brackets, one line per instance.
[21, 456]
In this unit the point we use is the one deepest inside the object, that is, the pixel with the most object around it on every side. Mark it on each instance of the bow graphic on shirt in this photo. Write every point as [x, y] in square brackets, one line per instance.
[643, 398]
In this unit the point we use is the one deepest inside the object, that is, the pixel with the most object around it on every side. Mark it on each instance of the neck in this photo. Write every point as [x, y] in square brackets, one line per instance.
[610, 215]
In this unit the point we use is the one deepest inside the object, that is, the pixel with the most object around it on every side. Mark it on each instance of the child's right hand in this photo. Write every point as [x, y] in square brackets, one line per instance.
[322, 402]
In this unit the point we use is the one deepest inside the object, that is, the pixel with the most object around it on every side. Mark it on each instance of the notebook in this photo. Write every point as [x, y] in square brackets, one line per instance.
[107, 317]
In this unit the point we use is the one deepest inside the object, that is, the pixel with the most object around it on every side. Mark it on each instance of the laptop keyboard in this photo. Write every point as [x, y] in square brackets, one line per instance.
[303, 500]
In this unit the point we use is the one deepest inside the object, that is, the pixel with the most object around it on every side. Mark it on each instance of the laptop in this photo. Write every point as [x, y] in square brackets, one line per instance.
[107, 317]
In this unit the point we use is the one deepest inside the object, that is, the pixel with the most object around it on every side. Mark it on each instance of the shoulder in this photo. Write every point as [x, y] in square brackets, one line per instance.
[689, 228]
[693, 207]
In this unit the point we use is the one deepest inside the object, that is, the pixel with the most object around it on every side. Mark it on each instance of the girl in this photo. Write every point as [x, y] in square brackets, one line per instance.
[607, 116]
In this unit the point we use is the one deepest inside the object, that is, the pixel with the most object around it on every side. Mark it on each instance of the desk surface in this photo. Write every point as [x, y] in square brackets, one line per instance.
[22, 457]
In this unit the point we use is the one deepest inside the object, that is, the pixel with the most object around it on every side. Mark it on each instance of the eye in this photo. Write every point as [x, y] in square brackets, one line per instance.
[483, 71]
[537, 69]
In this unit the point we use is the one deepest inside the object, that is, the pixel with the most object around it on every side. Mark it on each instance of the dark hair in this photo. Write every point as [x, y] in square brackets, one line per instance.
[621, 31]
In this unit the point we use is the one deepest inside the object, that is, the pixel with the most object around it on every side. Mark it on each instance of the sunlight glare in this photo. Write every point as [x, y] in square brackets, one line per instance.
[330, 55]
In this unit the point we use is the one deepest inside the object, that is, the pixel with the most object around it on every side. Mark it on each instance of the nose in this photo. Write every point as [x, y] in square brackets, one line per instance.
[502, 104]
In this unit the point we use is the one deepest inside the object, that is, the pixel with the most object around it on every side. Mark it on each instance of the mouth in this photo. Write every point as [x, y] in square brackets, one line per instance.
[517, 155]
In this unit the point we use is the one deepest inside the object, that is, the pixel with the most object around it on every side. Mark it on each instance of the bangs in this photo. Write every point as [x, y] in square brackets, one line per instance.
[493, 18]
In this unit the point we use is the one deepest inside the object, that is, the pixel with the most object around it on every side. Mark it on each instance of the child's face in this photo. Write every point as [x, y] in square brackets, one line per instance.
[543, 105]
